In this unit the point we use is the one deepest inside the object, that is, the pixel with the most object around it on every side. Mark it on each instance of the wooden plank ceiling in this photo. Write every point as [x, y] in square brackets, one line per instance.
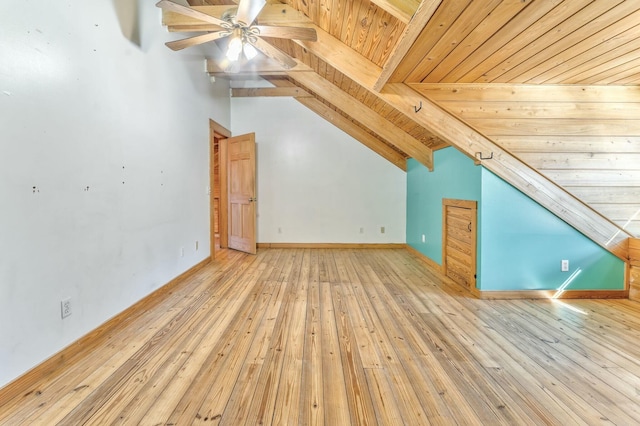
[550, 87]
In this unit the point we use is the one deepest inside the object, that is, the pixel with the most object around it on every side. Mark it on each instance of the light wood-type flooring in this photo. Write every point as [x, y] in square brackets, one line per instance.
[346, 337]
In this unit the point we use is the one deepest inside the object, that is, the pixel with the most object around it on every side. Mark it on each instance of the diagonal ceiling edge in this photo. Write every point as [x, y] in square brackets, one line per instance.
[504, 164]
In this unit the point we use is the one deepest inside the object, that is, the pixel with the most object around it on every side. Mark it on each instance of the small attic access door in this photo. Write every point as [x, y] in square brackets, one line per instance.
[459, 241]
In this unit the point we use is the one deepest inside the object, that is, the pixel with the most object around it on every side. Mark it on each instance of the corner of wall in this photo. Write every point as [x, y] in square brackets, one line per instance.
[520, 244]
[454, 176]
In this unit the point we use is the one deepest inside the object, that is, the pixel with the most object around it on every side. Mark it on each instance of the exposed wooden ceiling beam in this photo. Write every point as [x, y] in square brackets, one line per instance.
[287, 88]
[401, 9]
[259, 65]
[343, 58]
[358, 133]
[364, 115]
[357, 68]
[256, 92]
[355, 131]
[424, 12]
[510, 168]
[529, 92]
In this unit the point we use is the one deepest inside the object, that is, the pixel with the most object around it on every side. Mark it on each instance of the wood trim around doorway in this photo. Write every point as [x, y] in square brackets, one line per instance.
[217, 136]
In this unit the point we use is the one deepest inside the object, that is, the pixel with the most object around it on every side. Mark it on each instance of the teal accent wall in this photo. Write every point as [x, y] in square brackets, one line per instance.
[523, 244]
[520, 243]
[454, 176]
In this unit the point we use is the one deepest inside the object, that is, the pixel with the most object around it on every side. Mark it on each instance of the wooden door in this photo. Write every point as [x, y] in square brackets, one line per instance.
[459, 241]
[241, 169]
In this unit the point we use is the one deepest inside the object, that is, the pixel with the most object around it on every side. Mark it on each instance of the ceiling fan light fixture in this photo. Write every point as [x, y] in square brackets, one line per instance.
[234, 48]
[229, 15]
[250, 52]
[243, 37]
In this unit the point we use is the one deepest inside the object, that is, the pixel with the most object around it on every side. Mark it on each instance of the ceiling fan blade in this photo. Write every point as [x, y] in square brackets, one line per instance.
[248, 10]
[187, 11]
[194, 41]
[274, 53]
[296, 33]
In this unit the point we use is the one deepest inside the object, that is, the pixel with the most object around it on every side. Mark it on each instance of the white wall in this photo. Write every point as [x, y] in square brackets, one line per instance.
[315, 182]
[114, 136]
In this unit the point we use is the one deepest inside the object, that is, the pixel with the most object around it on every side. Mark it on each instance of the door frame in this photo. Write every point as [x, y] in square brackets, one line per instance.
[473, 206]
[218, 136]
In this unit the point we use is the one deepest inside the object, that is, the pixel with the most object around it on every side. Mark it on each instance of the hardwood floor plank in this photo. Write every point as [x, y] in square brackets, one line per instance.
[423, 381]
[554, 346]
[184, 354]
[565, 372]
[220, 364]
[344, 336]
[261, 410]
[470, 364]
[129, 373]
[421, 362]
[408, 395]
[336, 403]
[362, 330]
[595, 350]
[360, 404]
[527, 378]
[383, 398]
[534, 381]
[312, 396]
[236, 409]
[161, 407]
[286, 407]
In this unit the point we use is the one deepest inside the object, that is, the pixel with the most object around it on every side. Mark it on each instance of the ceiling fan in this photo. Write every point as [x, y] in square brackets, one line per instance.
[245, 36]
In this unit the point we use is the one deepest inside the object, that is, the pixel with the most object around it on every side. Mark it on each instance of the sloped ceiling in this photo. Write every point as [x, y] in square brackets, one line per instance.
[542, 92]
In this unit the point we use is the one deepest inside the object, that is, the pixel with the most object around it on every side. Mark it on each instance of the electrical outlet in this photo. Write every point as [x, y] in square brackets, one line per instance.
[65, 307]
[564, 266]
[382, 229]
[362, 230]
[197, 245]
[424, 238]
